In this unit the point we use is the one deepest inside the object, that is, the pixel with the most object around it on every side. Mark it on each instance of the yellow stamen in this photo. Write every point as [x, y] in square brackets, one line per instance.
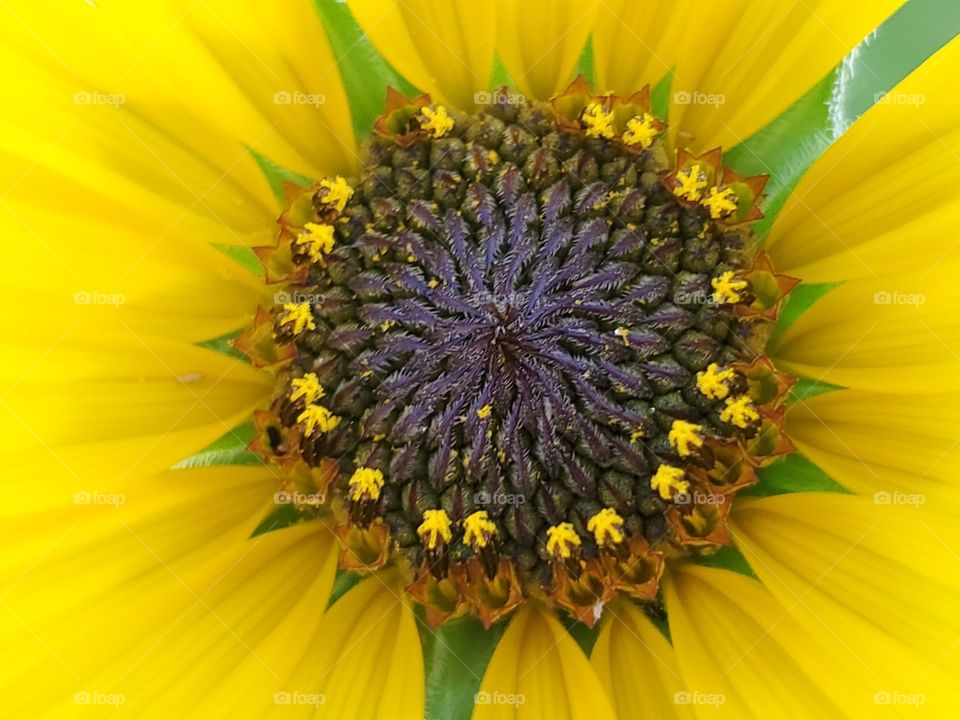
[641, 130]
[685, 437]
[317, 417]
[318, 238]
[697, 522]
[690, 183]
[338, 193]
[720, 203]
[436, 121]
[727, 290]
[478, 529]
[740, 412]
[599, 122]
[435, 528]
[607, 527]
[299, 315]
[365, 484]
[713, 382]
[562, 540]
[307, 387]
[669, 478]
[484, 412]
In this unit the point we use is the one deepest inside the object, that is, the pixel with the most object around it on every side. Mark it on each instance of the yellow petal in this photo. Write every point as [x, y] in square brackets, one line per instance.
[540, 41]
[876, 578]
[162, 600]
[903, 448]
[895, 334]
[738, 63]
[538, 672]
[634, 44]
[882, 199]
[636, 665]
[366, 660]
[212, 75]
[743, 655]
[440, 47]
[100, 408]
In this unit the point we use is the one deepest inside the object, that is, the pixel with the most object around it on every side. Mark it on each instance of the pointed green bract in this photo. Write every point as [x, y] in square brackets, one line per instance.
[729, 557]
[229, 449]
[787, 147]
[455, 657]
[793, 473]
[365, 73]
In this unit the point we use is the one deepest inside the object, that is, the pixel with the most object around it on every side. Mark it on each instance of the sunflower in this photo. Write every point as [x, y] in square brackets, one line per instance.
[406, 359]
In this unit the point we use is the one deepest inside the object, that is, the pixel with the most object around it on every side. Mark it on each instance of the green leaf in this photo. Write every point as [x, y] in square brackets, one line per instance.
[229, 449]
[791, 143]
[365, 73]
[790, 474]
[277, 177]
[586, 65]
[455, 656]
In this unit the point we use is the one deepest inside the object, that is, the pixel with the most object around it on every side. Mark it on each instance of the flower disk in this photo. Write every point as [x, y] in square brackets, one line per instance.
[519, 349]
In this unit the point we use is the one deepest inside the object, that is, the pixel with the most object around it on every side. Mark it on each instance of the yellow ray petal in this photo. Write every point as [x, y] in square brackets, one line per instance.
[882, 199]
[100, 272]
[636, 665]
[438, 46]
[896, 334]
[742, 62]
[97, 408]
[874, 577]
[901, 447]
[212, 75]
[366, 660]
[743, 655]
[163, 600]
[538, 672]
[541, 40]
[634, 44]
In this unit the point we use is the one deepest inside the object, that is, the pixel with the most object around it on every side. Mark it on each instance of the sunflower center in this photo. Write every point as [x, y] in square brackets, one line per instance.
[520, 350]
